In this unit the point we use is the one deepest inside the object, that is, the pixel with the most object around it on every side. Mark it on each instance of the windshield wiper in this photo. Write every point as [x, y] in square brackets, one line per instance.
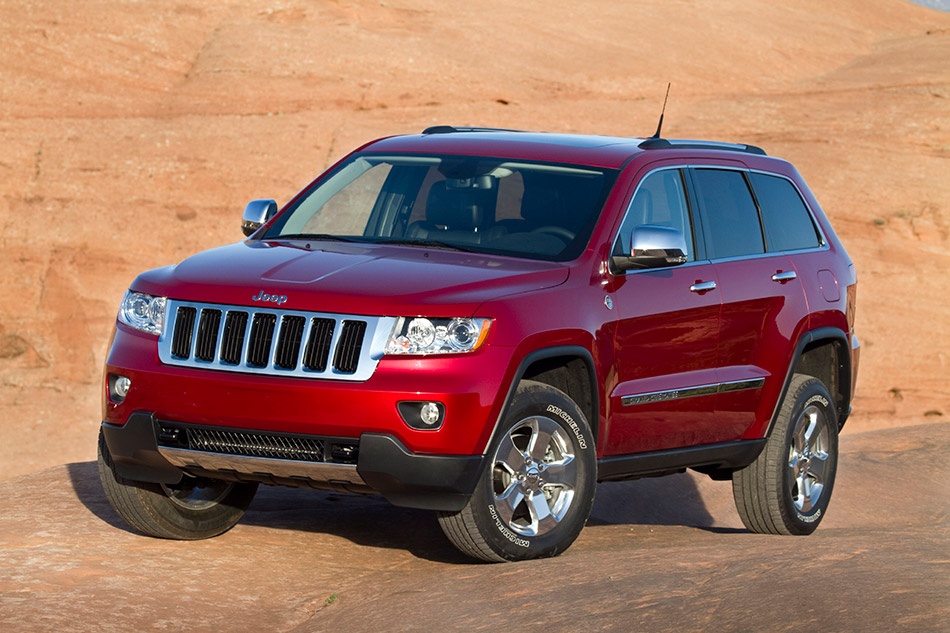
[427, 243]
[313, 236]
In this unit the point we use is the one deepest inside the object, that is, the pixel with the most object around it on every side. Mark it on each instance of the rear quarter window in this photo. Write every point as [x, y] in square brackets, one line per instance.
[788, 224]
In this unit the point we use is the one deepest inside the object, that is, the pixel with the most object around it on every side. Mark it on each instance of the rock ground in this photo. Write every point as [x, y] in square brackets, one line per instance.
[666, 554]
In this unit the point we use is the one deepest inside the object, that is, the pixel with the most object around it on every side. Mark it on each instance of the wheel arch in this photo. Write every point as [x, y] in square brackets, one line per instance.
[823, 353]
[569, 368]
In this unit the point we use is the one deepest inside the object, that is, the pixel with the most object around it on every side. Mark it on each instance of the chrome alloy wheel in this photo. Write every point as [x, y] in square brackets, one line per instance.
[808, 458]
[534, 476]
[197, 493]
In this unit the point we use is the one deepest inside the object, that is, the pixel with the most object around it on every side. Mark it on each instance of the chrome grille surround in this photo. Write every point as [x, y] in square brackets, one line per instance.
[372, 343]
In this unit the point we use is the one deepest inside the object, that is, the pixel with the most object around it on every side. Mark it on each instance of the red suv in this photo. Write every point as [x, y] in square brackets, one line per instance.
[486, 323]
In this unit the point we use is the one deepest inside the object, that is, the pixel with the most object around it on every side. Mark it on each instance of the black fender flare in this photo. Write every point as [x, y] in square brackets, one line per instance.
[550, 352]
[844, 371]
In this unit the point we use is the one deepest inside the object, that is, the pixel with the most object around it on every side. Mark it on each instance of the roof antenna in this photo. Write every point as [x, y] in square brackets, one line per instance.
[662, 112]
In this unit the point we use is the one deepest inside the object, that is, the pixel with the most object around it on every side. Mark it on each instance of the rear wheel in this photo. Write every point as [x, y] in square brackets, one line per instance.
[786, 490]
[194, 508]
[537, 489]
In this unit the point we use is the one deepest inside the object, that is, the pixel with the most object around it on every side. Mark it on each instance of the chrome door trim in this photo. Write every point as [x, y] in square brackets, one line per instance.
[691, 392]
[703, 286]
[823, 246]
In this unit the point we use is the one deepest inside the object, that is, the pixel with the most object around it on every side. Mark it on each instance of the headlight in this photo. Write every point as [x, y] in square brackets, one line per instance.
[143, 312]
[420, 335]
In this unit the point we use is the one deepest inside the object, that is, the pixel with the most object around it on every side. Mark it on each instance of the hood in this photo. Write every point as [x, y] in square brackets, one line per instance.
[350, 278]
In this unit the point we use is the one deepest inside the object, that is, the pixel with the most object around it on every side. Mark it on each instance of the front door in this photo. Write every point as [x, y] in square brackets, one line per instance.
[667, 332]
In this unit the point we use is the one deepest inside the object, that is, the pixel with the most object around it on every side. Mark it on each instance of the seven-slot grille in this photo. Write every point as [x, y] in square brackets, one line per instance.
[275, 342]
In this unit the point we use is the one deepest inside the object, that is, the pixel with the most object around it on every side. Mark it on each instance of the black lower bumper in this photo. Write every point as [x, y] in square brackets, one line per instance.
[429, 482]
[134, 450]
[384, 464]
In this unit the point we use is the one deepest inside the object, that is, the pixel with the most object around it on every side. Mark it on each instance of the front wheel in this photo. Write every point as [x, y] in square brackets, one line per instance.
[195, 508]
[786, 490]
[536, 491]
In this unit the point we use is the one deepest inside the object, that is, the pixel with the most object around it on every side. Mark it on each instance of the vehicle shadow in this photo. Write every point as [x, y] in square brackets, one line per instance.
[371, 521]
[84, 477]
[671, 500]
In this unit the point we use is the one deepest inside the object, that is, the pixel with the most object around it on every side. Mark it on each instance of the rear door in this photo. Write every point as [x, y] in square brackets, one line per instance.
[763, 303]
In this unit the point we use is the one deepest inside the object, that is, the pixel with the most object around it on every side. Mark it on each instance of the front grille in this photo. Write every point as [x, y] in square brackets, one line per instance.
[233, 339]
[308, 448]
[207, 334]
[288, 345]
[275, 342]
[348, 351]
[318, 345]
[184, 322]
[262, 333]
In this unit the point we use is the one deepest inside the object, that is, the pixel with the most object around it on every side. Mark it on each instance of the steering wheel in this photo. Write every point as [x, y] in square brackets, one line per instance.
[557, 231]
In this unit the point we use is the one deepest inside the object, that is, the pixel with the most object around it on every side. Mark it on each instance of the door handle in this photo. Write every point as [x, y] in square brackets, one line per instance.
[783, 277]
[703, 286]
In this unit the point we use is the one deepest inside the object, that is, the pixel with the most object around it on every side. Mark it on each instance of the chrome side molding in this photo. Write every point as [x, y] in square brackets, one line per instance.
[691, 392]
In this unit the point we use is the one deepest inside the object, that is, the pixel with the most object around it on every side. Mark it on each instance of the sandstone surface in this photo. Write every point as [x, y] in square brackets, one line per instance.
[659, 555]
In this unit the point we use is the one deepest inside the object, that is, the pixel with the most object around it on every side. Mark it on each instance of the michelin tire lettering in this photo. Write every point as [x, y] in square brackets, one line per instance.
[508, 534]
[816, 398]
[581, 441]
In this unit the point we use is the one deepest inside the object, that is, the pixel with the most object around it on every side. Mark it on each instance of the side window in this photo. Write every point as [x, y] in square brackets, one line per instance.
[788, 225]
[660, 201]
[731, 220]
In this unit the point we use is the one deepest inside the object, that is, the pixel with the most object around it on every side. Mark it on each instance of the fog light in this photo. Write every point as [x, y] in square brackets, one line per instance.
[424, 416]
[119, 387]
[430, 413]
[122, 384]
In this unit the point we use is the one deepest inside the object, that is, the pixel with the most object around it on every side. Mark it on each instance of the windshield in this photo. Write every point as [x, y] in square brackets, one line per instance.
[471, 203]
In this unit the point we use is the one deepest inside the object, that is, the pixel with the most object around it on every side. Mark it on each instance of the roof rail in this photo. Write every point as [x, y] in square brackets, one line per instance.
[662, 143]
[449, 129]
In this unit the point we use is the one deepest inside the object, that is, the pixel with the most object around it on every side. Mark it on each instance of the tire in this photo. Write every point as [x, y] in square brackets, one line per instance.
[533, 498]
[197, 508]
[786, 490]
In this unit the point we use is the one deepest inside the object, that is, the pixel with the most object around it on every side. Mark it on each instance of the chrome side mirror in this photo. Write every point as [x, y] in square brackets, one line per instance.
[256, 213]
[652, 246]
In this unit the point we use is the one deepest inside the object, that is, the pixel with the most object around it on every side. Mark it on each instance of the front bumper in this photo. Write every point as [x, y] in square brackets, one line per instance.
[382, 465]
[469, 386]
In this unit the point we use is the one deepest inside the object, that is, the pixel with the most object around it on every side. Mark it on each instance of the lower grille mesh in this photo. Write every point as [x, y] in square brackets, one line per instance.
[308, 448]
[254, 445]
